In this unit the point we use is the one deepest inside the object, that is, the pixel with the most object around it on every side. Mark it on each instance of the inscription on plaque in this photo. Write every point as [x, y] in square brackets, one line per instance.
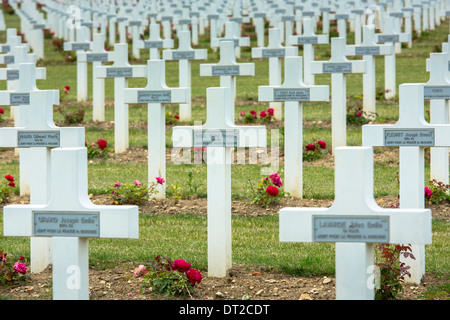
[367, 51]
[235, 41]
[94, 57]
[8, 59]
[287, 18]
[213, 16]
[337, 68]
[351, 229]
[166, 18]
[153, 44]
[12, 74]
[135, 23]
[436, 92]
[388, 38]
[184, 21]
[38, 26]
[259, 15]
[225, 70]
[291, 94]
[307, 40]
[409, 137]
[215, 138]
[6, 49]
[119, 72]
[66, 224]
[19, 98]
[80, 46]
[154, 97]
[48, 139]
[273, 53]
[341, 16]
[183, 55]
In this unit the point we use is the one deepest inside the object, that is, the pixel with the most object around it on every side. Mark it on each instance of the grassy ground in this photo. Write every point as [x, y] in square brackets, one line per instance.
[255, 239]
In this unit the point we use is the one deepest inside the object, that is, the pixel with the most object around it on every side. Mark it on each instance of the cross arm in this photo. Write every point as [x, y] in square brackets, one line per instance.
[13, 74]
[238, 42]
[314, 39]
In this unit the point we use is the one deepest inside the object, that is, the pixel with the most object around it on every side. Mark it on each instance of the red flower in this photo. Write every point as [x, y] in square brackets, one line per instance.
[102, 144]
[176, 116]
[359, 114]
[181, 265]
[272, 191]
[242, 113]
[262, 114]
[9, 177]
[12, 184]
[2, 111]
[322, 144]
[310, 147]
[194, 276]
[160, 180]
[276, 179]
[270, 111]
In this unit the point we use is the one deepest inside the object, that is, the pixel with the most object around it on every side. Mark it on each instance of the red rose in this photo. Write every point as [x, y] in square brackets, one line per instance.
[2, 111]
[102, 144]
[272, 191]
[181, 265]
[9, 177]
[194, 276]
[176, 116]
[270, 111]
[262, 114]
[322, 144]
[12, 184]
[310, 147]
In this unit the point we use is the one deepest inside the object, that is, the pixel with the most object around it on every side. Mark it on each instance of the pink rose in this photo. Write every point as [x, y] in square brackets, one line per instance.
[276, 180]
[137, 182]
[270, 111]
[140, 271]
[19, 267]
[117, 184]
[242, 113]
[160, 180]
[428, 192]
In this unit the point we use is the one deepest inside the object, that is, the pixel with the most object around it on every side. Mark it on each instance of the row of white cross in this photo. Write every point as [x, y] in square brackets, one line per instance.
[67, 162]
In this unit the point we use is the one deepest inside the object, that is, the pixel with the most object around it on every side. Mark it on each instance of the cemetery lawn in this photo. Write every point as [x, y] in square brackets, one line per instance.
[263, 268]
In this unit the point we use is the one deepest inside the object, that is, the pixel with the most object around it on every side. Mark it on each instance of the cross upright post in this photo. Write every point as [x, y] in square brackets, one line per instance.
[155, 43]
[231, 34]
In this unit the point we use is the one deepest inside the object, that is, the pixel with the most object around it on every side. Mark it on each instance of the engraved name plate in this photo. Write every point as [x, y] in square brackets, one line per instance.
[436, 92]
[183, 55]
[154, 97]
[19, 98]
[8, 59]
[351, 229]
[12, 74]
[80, 46]
[409, 137]
[367, 51]
[119, 72]
[135, 23]
[66, 224]
[225, 70]
[29, 139]
[38, 26]
[184, 21]
[291, 94]
[6, 49]
[153, 44]
[307, 40]
[215, 138]
[94, 57]
[389, 38]
[213, 16]
[337, 68]
[341, 16]
[271, 53]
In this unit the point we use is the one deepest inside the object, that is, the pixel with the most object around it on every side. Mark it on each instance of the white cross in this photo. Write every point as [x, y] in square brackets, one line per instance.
[308, 39]
[121, 71]
[341, 16]
[412, 135]
[136, 24]
[220, 136]
[232, 34]
[355, 223]
[185, 54]
[338, 66]
[368, 49]
[390, 35]
[12, 40]
[325, 9]
[166, 21]
[70, 219]
[275, 52]
[97, 56]
[155, 43]
[258, 21]
[82, 44]
[156, 94]
[227, 68]
[293, 92]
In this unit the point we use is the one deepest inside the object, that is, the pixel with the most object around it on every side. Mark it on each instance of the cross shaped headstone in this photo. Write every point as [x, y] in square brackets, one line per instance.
[70, 219]
[308, 39]
[341, 16]
[220, 136]
[275, 52]
[185, 54]
[355, 223]
[97, 56]
[338, 66]
[12, 40]
[155, 43]
[231, 34]
[368, 49]
[412, 134]
[227, 69]
[258, 21]
[293, 92]
[121, 71]
[166, 21]
[156, 94]
[82, 44]
[390, 35]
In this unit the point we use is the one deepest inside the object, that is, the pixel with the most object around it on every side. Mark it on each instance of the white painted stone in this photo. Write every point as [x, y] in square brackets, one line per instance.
[154, 44]
[232, 34]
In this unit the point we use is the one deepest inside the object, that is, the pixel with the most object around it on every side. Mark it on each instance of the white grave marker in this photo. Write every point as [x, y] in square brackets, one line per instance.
[231, 34]
[155, 43]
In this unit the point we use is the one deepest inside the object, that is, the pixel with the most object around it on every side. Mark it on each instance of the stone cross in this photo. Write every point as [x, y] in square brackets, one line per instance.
[342, 15]
[185, 54]
[156, 95]
[166, 21]
[155, 43]
[231, 34]
[258, 21]
[12, 40]
[390, 35]
[227, 68]
[412, 134]
[355, 223]
[338, 66]
[35, 138]
[293, 92]
[121, 71]
[368, 49]
[220, 136]
[275, 52]
[70, 219]
[308, 39]
[83, 43]
[97, 56]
